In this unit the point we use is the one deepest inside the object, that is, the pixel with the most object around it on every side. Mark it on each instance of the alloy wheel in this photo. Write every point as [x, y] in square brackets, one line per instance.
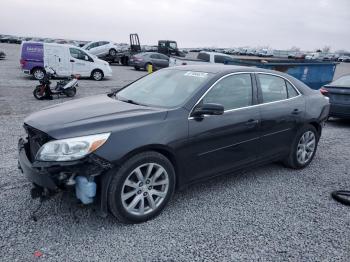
[144, 189]
[39, 74]
[97, 75]
[306, 147]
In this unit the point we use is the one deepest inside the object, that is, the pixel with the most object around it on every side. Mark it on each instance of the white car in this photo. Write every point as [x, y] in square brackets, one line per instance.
[203, 57]
[64, 59]
[101, 48]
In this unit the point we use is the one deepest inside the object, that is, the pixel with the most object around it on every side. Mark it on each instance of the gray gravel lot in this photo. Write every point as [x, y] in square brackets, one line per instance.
[267, 214]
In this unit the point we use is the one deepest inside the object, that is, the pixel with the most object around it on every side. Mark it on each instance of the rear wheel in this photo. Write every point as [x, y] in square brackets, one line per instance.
[97, 75]
[39, 92]
[112, 52]
[303, 149]
[38, 73]
[141, 188]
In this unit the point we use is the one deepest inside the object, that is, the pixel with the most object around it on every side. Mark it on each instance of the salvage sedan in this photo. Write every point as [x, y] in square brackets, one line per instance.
[128, 151]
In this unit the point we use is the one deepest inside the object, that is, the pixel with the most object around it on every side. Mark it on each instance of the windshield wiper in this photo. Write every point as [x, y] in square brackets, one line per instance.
[130, 101]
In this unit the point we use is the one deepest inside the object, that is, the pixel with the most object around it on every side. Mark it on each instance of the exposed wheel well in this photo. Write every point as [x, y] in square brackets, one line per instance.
[159, 149]
[317, 126]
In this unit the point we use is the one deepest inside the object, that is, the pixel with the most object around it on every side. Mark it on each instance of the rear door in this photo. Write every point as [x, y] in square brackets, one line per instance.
[56, 57]
[220, 143]
[93, 48]
[282, 108]
[163, 61]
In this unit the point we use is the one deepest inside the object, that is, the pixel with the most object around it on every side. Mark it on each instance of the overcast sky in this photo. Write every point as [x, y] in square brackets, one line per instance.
[280, 24]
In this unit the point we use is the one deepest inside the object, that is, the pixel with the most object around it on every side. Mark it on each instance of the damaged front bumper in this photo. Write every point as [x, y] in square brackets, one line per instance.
[52, 177]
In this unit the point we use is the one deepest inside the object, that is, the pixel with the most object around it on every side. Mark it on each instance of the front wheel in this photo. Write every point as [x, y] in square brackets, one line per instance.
[97, 75]
[141, 187]
[70, 92]
[303, 149]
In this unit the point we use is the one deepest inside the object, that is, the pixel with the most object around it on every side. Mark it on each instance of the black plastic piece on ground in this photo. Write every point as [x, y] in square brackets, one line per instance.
[342, 196]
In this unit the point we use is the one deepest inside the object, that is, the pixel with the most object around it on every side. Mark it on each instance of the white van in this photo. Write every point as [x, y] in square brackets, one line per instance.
[64, 59]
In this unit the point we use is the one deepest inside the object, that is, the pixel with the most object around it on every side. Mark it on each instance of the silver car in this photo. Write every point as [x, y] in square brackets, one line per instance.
[142, 60]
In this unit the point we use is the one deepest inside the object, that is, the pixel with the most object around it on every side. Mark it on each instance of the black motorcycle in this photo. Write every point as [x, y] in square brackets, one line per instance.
[65, 87]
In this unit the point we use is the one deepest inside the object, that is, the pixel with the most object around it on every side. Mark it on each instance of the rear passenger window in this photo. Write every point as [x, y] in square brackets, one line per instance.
[232, 92]
[273, 88]
[221, 59]
[204, 57]
[291, 90]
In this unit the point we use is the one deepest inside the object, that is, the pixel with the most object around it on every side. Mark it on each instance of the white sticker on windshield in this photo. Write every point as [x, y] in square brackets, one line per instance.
[196, 74]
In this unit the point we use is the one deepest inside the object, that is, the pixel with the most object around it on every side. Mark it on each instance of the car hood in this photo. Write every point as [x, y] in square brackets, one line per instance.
[92, 115]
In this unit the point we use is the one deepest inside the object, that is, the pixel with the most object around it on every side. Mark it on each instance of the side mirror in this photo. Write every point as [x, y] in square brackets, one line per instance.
[207, 109]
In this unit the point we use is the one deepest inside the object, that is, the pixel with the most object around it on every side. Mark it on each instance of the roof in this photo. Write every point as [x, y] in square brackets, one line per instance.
[218, 68]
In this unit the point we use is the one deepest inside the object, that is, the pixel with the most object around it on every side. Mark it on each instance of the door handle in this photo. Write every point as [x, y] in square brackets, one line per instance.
[296, 111]
[72, 60]
[252, 122]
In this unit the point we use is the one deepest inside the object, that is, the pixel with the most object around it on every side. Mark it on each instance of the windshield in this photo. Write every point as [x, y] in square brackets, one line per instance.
[165, 88]
[342, 81]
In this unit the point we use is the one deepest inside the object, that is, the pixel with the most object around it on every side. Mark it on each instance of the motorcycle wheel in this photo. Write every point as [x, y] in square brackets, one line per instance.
[70, 92]
[39, 92]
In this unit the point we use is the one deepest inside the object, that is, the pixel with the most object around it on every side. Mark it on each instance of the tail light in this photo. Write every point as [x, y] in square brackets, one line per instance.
[22, 62]
[324, 91]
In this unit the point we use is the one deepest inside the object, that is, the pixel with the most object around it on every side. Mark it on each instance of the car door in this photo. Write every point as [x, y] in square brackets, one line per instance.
[155, 60]
[163, 61]
[282, 108]
[56, 57]
[93, 48]
[222, 142]
[80, 62]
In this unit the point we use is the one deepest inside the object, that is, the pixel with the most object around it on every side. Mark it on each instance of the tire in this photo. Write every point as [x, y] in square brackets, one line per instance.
[39, 93]
[295, 157]
[38, 73]
[112, 52]
[70, 92]
[141, 192]
[97, 75]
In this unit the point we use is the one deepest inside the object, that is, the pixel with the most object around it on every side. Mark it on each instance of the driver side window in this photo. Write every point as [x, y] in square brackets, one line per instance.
[232, 92]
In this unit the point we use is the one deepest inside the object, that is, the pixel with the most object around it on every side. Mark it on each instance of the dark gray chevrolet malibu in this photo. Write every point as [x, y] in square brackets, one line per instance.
[128, 151]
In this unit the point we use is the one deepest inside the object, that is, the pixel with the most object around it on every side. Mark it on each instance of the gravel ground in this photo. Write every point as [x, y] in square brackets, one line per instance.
[267, 214]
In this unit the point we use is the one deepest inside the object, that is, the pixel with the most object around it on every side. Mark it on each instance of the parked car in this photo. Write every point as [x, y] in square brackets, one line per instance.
[129, 150]
[2, 55]
[64, 59]
[338, 92]
[344, 58]
[265, 52]
[296, 55]
[315, 56]
[142, 60]
[101, 48]
[4, 39]
[203, 57]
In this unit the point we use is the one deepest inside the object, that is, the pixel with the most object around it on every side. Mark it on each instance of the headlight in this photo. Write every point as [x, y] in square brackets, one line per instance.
[71, 148]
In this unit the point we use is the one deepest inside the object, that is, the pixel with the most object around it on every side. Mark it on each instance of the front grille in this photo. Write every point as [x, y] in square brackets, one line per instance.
[36, 139]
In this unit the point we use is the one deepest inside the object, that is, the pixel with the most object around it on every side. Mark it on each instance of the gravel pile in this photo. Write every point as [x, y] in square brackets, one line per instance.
[267, 214]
